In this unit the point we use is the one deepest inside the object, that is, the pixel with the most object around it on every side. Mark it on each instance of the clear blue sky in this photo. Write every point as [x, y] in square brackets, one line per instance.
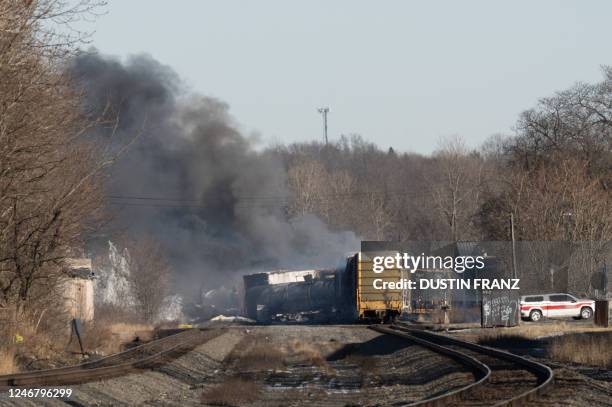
[400, 73]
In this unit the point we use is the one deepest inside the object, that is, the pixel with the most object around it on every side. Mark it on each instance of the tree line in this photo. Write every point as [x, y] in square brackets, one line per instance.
[552, 177]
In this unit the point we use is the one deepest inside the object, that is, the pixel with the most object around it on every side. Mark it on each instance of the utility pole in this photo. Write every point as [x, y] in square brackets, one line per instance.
[513, 245]
[324, 111]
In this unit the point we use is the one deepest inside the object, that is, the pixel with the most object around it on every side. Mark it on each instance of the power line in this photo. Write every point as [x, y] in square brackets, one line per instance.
[151, 198]
[263, 197]
[240, 201]
[183, 206]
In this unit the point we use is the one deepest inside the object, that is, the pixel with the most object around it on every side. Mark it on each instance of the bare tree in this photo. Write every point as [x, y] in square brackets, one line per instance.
[456, 186]
[149, 277]
[50, 194]
[576, 121]
[307, 180]
[328, 193]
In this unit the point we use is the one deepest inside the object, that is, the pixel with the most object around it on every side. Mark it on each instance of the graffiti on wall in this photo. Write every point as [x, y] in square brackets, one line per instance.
[499, 309]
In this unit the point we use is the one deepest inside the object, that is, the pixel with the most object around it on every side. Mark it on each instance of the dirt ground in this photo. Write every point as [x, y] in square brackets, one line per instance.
[307, 365]
[576, 384]
[281, 366]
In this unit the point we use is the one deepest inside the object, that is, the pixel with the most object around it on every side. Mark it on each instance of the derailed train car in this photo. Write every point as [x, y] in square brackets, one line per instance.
[355, 292]
[294, 300]
[307, 295]
[342, 295]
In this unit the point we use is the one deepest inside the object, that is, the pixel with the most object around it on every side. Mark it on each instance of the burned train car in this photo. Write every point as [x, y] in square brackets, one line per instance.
[341, 295]
[300, 296]
[357, 293]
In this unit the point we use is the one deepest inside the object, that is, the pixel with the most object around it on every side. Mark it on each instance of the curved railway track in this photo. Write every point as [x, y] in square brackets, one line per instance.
[502, 378]
[145, 356]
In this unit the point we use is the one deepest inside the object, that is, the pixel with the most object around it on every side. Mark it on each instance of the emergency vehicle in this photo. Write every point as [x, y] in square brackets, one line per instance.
[536, 307]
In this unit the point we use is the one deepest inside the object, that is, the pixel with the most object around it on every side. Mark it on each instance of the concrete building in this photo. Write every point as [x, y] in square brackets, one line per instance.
[78, 290]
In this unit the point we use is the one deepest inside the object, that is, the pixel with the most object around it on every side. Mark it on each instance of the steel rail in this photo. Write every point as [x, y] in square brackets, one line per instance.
[482, 371]
[543, 373]
[118, 365]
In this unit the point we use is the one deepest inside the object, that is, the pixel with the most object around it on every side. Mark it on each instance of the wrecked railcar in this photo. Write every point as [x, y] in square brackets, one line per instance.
[319, 296]
[357, 293]
[301, 296]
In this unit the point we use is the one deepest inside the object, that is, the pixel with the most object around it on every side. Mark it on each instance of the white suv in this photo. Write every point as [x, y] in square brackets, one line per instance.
[535, 307]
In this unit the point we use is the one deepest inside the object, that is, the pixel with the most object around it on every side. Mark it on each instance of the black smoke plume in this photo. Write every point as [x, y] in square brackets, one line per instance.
[194, 182]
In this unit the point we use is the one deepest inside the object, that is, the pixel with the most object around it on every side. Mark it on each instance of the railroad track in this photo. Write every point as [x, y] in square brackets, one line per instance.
[145, 356]
[502, 378]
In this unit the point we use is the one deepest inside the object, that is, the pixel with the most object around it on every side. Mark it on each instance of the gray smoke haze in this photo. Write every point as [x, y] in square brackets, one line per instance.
[223, 213]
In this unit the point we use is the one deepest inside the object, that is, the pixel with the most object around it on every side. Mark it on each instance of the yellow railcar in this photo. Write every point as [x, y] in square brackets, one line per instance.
[372, 303]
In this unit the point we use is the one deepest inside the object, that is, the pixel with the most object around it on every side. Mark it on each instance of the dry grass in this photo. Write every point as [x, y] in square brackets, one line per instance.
[112, 313]
[366, 363]
[46, 340]
[172, 325]
[594, 350]
[533, 331]
[564, 341]
[98, 337]
[258, 356]
[308, 354]
[7, 360]
[128, 331]
[34, 342]
[233, 392]
[110, 338]
[45, 345]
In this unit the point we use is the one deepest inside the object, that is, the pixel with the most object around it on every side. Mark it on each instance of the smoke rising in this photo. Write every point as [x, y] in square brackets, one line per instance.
[221, 212]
